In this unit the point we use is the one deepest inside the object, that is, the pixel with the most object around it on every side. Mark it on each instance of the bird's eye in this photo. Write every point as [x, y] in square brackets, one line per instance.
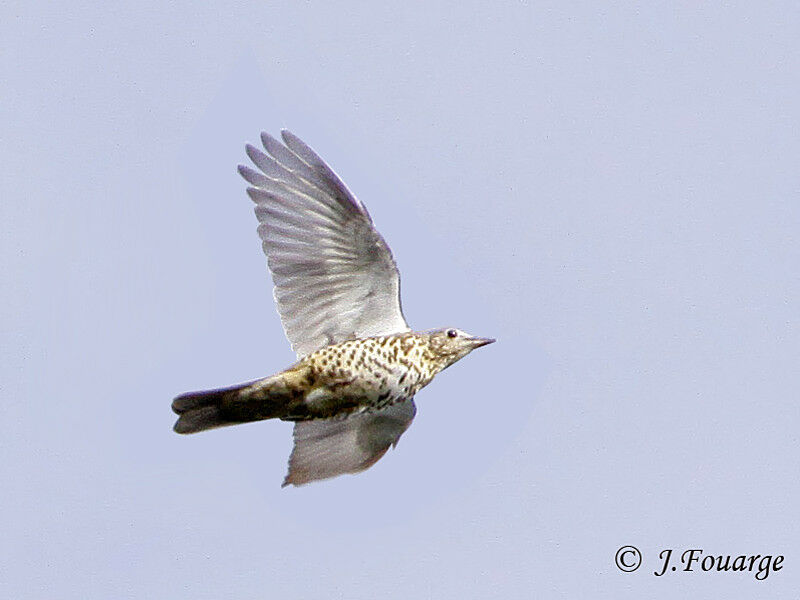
[451, 333]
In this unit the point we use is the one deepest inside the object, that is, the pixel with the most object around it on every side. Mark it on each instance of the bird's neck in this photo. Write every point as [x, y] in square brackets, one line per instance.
[430, 362]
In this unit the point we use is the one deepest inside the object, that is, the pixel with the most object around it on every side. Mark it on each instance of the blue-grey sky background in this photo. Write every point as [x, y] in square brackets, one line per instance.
[611, 191]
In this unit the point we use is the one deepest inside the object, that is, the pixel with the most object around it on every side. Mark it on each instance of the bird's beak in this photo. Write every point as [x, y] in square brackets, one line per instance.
[477, 342]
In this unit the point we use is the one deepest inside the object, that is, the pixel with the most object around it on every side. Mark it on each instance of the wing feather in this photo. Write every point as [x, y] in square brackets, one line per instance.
[335, 277]
[325, 448]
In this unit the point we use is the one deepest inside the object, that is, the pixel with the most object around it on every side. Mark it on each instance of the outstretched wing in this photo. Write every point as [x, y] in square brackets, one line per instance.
[326, 448]
[334, 275]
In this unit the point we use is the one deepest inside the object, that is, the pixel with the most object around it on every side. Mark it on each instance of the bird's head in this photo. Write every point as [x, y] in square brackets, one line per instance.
[451, 345]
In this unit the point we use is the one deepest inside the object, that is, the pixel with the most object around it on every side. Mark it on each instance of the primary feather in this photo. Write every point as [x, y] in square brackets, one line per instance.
[335, 277]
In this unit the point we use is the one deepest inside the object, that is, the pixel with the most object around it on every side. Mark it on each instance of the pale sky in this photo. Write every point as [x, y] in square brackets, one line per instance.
[613, 193]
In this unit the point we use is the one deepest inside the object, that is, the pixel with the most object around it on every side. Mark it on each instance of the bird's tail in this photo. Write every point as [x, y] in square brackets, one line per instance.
[198, 411]
[254, 401]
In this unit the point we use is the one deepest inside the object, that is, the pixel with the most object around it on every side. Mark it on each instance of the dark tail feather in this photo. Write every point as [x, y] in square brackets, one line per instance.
[199, 411]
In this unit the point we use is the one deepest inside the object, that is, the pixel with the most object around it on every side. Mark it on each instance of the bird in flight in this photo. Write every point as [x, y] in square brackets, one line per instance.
[337, 288]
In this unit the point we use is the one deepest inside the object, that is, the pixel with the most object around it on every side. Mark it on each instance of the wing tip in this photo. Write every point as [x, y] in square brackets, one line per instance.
[268, 140]
[253, 152]
[286, 135]
[251, 176]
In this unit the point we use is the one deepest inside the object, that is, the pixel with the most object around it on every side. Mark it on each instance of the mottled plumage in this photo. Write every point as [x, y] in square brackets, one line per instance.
[337, 289]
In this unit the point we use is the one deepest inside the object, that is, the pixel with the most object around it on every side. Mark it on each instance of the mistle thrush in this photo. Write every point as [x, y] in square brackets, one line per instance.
[351, 393]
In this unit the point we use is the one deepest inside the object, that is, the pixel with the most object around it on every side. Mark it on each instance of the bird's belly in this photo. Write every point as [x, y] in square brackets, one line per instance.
[347, 391]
